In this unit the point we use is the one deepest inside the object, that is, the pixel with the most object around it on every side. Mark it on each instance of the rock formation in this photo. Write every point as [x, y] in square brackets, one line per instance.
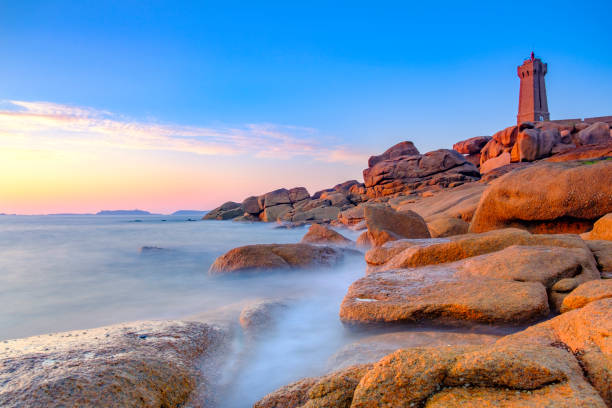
[267, 257]
[319, 234]
[548, 197]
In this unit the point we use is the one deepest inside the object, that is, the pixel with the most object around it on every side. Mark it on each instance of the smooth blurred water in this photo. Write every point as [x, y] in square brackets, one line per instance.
[62, 273]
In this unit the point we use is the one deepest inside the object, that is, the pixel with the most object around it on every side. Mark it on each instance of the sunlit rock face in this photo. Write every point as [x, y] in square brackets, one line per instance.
[149, 363]
[548, 197]
[409, 171]
[266, 257]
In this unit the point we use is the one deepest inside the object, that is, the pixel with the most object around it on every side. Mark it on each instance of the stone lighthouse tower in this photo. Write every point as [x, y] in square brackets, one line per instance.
[533, 105]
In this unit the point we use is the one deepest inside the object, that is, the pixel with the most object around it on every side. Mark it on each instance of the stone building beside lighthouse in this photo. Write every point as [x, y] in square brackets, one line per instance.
[533, 104]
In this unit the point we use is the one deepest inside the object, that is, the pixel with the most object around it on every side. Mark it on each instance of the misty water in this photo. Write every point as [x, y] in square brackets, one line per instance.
[61, 273]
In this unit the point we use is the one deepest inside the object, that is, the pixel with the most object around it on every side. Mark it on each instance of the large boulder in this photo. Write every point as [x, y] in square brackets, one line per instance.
[503, 159]
[596, 133]
[491, 150]
[586, 333]
[298, 194]
[509, 286]
[251, 205]
[507, 137]
[413, 253]
[139, 364]
[276, 197]
[586, 293]
[273, 213]
[472, 145]
[447, 377]
[548, 197]
[443, 168]
[385, 224]
[398, 150]
[321, 214]
[319, 234]
[602, 229]
[225, 211]
[266, 257]
[533, 144]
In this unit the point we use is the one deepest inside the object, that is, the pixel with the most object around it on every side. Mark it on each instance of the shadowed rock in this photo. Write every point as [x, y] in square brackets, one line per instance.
[385, 224]
[596, 133]
[447, 227]
[225, 211]
[602, 250]
[259, 316]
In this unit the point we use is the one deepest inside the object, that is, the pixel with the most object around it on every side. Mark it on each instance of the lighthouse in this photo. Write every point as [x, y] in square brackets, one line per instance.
[533, 105]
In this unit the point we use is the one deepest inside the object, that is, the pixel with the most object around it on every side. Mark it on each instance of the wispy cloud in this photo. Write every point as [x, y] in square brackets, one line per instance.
[50, 125]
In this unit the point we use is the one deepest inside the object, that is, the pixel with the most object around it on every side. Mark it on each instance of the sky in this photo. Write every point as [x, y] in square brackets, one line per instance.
[163, 105]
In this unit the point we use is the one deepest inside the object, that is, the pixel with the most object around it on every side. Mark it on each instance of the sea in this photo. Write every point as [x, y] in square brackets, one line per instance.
[68, 272]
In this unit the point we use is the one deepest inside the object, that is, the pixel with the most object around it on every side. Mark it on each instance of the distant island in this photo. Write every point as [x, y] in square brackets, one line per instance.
[124, 212]
[190, 212]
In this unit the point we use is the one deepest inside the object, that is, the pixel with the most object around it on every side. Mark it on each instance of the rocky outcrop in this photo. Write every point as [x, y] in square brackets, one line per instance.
[267, 257]
[413, 253]
[457, 202]
[586, 333]
[503, 159]
[407, 173]
[151, 363]
[602, 229]
[385, 224]
[394, 152]
[596, 133]
[472, 145]
[508, 286]
[548, 197]
[445, 377]
[319, 234]
[533, 144]
[586, 293]
[373, 348]
[584, 153]
[226, 211]
[447, 227]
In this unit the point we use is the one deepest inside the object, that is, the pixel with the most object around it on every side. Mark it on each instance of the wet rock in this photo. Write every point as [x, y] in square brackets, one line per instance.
[586, 293]
[405, 174]
[548, 197]
[411, 253]
[447, 226]
[266, 257]
[472, 145]
[145, 364]
[259, 316]
[586, 333]
[373, 348]
[596, 133]
[602, 229]
[385, 224]
[226, 211]
[319, 234]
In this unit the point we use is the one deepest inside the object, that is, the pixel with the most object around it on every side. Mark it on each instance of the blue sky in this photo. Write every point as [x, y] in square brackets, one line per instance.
[359, 75]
